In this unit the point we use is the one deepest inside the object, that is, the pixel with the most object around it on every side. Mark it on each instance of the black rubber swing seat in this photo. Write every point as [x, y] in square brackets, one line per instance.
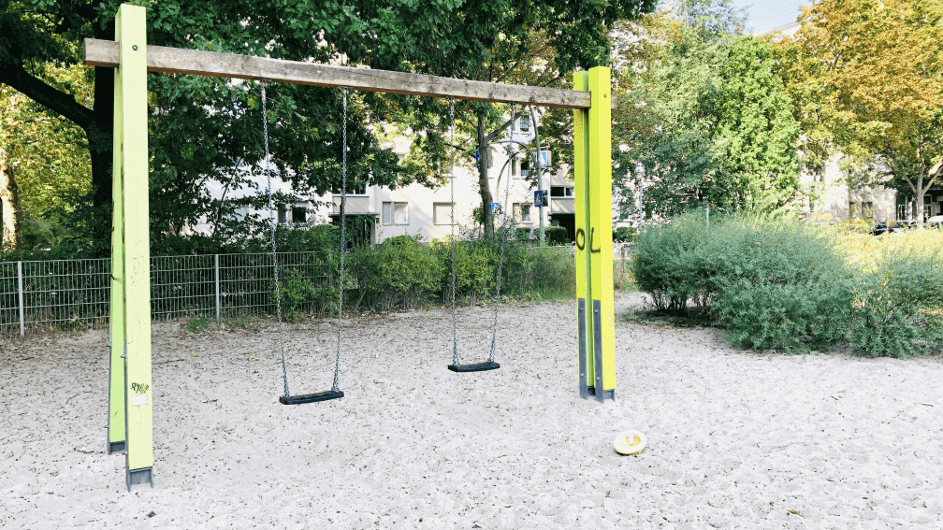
[476, 367]
[301, 399]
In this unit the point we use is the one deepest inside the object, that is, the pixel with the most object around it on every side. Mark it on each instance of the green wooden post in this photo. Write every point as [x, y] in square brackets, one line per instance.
[131, 246]
[581, 217]
[600, 234]
[116, 419]
[593, 181]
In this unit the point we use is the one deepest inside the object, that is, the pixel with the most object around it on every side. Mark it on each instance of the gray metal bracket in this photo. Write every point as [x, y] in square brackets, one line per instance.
[139, 476]
[581, 324]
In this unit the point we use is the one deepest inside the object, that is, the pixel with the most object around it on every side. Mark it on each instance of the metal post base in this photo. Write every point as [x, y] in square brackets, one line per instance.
[604, 395]
[115, 447]
[139, 476]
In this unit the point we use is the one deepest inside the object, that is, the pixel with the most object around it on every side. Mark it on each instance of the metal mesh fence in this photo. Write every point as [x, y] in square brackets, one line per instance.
[182, 286]
[53, 295]
[38, 296]
[9, 303]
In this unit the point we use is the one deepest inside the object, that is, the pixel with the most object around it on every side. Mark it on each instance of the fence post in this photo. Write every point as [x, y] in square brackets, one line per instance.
[216, 268]
[19, 278]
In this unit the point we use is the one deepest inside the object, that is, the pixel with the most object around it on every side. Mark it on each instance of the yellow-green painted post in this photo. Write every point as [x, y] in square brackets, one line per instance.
[593, 182]
[582, 208]
[600, 233]
[133, 219]
[116, 419]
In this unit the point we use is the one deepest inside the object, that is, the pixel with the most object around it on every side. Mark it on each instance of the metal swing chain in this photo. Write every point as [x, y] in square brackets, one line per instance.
[271, 218]
[455, 360]
[497, 296]
[340, 290]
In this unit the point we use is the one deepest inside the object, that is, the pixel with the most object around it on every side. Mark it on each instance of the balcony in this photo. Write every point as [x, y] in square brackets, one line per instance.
[562, 205]
[355, 204]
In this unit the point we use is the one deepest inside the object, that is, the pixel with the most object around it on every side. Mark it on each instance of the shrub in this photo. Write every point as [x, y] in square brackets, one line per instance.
[198, 324]
[856, 226]
[299, 293]
[522, 233]
[780, 283]
[625, 234]
[774, 283]
[556, 235]
[475, 268]
[540, 273]
[401, 273]
[899, 309]
[667, 262]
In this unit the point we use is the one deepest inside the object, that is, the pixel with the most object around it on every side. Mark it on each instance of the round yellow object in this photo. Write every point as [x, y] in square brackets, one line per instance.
[629, 443]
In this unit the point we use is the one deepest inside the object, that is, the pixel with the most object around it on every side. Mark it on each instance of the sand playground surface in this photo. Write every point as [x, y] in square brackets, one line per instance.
[735, 439]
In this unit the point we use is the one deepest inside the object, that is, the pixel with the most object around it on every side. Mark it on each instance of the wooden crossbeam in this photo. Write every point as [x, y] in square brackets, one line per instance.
[100, 52]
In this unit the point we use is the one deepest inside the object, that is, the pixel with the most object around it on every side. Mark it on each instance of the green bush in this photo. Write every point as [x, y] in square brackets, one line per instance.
[556, 235]
[475, 268]
[522, 233]
[780, 283]
[625, 234]
[399, 274]
[299, 294]
[198, 324]
[899, 309]
[539, 273]
[774, 283]
[669, 264]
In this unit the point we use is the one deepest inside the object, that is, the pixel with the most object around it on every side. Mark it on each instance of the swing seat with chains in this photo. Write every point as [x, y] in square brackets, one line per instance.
[490, 364]
[334, 392]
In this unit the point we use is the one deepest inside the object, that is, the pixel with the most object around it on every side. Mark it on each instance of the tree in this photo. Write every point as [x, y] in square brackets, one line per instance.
[202, 128]
[49, 157]
[704, 120]
[881, 73]
[539, 43]
[9, 205]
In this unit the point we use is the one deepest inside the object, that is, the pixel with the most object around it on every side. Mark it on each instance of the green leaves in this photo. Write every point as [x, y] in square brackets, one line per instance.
[708, 123]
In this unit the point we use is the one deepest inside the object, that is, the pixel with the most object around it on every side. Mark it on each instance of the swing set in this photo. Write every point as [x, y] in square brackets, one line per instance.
[130, 425]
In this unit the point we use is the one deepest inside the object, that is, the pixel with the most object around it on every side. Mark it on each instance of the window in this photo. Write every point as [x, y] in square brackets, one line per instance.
[867, 210]
[525, 168]
[525, 123]
[353, 188]
[561, 191]
[522, 212]
[853, 212]
[442, 213]
[299, 213]
[395, 213]
[282, 214]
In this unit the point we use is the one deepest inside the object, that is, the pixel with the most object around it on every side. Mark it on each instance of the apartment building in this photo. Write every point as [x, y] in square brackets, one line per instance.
[376, 213]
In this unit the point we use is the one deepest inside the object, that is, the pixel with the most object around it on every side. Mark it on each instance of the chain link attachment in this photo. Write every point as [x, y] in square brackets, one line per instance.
[340, 290]
[271, 218]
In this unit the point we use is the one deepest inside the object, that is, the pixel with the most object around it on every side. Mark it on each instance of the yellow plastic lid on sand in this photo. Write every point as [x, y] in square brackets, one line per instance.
[629, 443]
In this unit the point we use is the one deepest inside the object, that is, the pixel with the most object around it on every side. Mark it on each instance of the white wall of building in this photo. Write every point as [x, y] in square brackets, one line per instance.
[427, 211]
[837, 203]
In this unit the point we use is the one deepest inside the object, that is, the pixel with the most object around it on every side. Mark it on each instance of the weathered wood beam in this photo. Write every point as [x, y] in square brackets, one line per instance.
[195, 62]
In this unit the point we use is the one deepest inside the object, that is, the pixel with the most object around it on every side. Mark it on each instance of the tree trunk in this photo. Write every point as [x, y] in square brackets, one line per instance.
[100, 134]
[484, 156]
[918, 215]
[9, 205]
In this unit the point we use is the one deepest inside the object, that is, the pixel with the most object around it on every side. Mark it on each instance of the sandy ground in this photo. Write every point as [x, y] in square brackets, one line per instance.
[736, 440]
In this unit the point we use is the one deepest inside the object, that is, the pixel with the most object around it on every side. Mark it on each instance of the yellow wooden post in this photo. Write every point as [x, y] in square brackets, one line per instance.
[600, 233]
[116, 418]
[592, 139]
[581, 215]
[132, 228]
